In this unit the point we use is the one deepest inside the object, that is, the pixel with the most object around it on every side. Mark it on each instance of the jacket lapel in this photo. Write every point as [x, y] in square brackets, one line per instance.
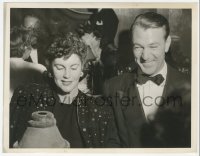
[170, 83]
[133, 114]
[119, 117]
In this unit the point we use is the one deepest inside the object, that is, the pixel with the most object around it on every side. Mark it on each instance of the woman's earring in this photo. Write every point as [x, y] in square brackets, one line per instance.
[82, 74]
[50, 75]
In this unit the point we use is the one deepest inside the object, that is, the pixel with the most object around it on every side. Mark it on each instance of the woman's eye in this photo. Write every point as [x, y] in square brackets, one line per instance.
[74, 67]
[59, 67]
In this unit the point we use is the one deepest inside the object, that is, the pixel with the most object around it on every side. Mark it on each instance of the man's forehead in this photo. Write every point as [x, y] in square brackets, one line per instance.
[147, 28]
[141, 30]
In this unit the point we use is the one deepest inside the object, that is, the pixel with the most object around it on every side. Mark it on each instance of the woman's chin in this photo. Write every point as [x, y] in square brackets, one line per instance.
[66, 91]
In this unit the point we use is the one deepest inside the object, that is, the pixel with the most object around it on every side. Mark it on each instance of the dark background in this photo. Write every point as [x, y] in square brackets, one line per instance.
[63, 20]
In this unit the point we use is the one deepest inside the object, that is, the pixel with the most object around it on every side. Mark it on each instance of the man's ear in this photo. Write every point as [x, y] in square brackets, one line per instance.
[168, 43]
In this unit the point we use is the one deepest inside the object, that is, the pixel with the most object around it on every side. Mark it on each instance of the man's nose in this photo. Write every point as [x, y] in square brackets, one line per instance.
[145, 54]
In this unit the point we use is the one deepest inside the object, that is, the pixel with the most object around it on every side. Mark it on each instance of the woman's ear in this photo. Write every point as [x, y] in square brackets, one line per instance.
[168, 43]
[47, 64]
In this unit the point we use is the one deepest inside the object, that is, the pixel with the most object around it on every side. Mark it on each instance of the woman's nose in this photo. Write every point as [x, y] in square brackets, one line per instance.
[66, 73]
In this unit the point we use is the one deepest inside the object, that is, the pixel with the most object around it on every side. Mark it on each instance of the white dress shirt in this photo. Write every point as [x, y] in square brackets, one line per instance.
[151, 94]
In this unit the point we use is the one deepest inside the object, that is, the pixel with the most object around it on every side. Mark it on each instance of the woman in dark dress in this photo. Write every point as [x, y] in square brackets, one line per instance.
[84, 121]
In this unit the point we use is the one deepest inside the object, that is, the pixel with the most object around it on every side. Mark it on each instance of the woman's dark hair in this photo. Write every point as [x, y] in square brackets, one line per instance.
[66, 45]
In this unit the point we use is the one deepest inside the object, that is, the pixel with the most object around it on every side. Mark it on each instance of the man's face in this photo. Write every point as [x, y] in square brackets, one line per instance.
[149, 47]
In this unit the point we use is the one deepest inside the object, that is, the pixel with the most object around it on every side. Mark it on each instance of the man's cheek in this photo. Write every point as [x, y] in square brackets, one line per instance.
[138, 59]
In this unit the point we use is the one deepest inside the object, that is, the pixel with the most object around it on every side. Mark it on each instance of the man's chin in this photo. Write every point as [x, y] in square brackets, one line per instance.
[147, 71]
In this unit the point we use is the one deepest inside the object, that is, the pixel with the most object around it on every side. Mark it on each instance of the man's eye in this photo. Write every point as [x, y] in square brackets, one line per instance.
[153, 47]
[137, 48]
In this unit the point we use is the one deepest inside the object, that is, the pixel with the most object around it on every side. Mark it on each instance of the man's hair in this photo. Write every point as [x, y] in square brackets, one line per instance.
[151, 20]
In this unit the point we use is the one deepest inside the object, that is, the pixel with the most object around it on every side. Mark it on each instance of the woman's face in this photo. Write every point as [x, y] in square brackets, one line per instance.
[67, 72]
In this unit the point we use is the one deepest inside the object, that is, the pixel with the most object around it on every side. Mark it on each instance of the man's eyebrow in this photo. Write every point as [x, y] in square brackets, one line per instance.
[155, 43]
[137, 44]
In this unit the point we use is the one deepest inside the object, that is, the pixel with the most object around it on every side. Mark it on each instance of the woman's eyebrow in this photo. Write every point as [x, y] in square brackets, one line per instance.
[75, 65]
[137, 44]
[59, 65]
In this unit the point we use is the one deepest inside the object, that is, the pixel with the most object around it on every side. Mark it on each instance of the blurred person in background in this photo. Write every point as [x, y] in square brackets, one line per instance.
[22, 71]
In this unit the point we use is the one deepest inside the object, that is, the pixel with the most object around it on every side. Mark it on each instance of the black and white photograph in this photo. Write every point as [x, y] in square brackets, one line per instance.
[100, 77]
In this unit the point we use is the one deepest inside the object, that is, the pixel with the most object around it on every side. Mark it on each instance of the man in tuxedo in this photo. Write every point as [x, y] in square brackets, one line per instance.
[137, 97]
[39, 39]
[32, 22]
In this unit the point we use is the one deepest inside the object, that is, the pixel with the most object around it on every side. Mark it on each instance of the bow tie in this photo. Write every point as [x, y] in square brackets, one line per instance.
[142, 79]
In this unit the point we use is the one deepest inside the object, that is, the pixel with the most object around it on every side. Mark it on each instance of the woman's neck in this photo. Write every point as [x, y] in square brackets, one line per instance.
[68, 98]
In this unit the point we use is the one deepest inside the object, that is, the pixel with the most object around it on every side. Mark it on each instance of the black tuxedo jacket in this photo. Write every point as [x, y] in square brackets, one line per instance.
[123, 95]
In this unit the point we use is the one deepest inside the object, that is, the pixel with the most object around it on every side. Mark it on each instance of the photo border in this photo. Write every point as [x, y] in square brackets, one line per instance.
[194, 92]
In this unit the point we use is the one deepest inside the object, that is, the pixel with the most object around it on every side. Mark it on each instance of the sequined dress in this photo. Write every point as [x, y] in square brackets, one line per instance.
[87, 122]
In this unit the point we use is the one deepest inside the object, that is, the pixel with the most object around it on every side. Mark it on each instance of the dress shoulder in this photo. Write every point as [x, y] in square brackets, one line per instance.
[33, 96]
[33, 89]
